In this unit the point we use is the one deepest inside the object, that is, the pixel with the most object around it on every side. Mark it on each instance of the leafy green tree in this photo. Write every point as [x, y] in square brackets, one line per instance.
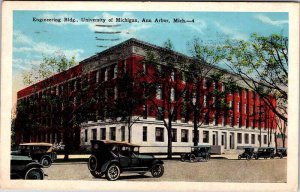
[262, 64]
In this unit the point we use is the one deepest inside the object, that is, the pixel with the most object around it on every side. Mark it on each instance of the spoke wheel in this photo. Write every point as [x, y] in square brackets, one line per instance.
[46, 162]
[97, 174]
[182, 157]
[34, 174]
[239, 157]
[113, 172]
[157, 170]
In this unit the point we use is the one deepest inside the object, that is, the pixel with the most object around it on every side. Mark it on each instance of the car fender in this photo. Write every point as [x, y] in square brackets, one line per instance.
[106, 165]
[157, 161]
[31, 165]
[46, 156]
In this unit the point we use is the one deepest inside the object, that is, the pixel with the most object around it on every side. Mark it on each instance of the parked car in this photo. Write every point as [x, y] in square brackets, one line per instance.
[264, 152]
[112, 158]
[281, 152]
[248, 152]
[26, 168]
[42, 152]
[198, 153]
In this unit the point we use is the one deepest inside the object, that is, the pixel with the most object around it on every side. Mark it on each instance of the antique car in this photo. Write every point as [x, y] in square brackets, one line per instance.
[112, 158]
[248, 152]
[26, 168]
[264, 152]
[198, 153]
[42, 152]
[281, 152]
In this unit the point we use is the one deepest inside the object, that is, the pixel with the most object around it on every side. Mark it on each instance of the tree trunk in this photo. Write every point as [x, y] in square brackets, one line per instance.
[129, 130]
[67, 146]
[169, 130]
[275, 136]
[260, 137]
[283, 139]
[196, 135]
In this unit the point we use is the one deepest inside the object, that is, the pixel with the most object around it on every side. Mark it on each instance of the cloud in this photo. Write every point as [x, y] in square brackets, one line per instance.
[22, 64]
[199, 26]
[21, 38]
[268, 20]
[231, 32]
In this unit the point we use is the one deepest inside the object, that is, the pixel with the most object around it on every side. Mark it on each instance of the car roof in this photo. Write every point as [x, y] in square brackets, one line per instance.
[281, 148]
[245, 147]
[266, 148]
[110, 142]
[201, 146]
[36, 144]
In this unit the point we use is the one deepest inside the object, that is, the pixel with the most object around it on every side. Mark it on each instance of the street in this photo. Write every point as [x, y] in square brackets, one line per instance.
[215, 170]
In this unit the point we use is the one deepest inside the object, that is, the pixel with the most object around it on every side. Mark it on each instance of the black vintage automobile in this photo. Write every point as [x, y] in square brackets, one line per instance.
[198, 153]
[112, 158]
[248, 152]
[42, 152]
[264, 152]
[25, 168]
[281, 152]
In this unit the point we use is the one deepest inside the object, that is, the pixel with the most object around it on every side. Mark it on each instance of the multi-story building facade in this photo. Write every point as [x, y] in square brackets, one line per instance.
[248, 122]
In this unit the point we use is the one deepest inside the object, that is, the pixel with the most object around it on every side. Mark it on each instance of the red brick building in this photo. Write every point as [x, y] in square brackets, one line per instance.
[248, 120]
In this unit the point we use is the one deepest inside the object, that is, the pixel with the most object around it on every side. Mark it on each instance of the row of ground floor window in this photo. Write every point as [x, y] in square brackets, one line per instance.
[153, 137]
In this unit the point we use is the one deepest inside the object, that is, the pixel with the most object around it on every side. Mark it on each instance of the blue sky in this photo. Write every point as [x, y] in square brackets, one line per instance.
[33, 40]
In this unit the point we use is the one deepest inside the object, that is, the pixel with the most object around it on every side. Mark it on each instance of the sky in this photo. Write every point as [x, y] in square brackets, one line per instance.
[33, 39]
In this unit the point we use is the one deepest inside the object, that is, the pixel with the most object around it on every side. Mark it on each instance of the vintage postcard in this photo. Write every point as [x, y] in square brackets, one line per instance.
[150, 96]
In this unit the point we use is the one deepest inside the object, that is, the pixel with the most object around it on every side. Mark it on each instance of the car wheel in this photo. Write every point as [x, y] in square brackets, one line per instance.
[34, 174]
[113, 172]
[271, 156]
[208, 157]
[248, 157]
[280, 156]
[256, 157]
[192, 158]
[92, 163]
[97, 174]
[46, 162]
[157, 170]
[239, 157]
[182, 157]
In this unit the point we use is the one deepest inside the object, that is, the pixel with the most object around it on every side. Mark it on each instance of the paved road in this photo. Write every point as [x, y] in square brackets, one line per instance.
[216, 170]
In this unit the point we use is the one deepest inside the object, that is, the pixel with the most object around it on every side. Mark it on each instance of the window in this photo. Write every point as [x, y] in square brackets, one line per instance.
[125, 66]
[103, 133]
[106, 74]
[174, 135]
[85, 135]
[144, 68]
[204, 101]
[115, 71]
[115, 92]
[205, 136]
[184, 135]
[252, 138]
[172, 75]
[112, 133]
[144, 133]
[97, 76]
[94, 134]
[159, 92]
[145, 111]
[230, 104]
[160, 114]
[204, 83]
[123, 133]
[246, 138]
[159, 134]
[265, 139]
[172, 96]
[239, 138]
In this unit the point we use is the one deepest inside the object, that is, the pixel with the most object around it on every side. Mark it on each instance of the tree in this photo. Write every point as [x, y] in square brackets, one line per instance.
[262, 64]
[163, 92]
[54, 109]
[204, 95]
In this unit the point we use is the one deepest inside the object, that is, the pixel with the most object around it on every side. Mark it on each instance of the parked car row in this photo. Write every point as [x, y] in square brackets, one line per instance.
[262, 152]
[27, 162]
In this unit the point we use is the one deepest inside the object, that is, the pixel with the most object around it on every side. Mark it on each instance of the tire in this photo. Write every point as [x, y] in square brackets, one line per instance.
[239, 157]
[208, 157]
[112, 172]
[256, 157]
[280, 156]
[97, 174]
[93, 163]
[271, 156]
[248, 157]
[157, 170]
[46, 162]
[192, 158]
[34, 174]
[182, 157]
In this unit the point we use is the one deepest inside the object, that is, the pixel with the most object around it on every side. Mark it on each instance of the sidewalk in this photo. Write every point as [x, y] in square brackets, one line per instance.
[86, 156]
